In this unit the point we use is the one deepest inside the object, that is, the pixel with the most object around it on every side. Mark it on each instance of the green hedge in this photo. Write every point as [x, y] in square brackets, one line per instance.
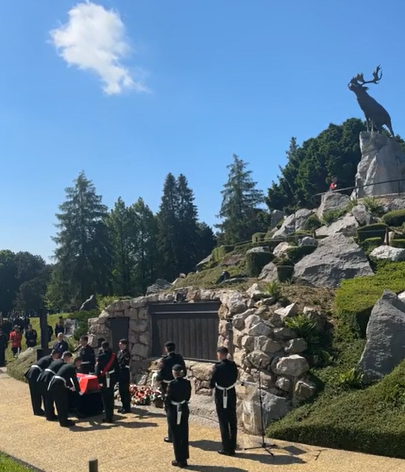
[355, 298]
[398, 243]
[295, 254]
[370, 421]
[255, 261]
[312, 223]
[394, 218]
[377, 230]
[369, 244]
[258, 237]
[220, 252]
[285, 272]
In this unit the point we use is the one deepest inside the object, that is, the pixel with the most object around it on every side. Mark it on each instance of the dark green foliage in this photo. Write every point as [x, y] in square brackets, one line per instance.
[82, 317]
[335, 152]
[285, 272]
[255, 261]
[239, 211]
[258, 237]
[376, 230]
[295, 254]
[400, 243]
[305, 328]
[355, 298]
[373, 206]
[394, 218]
[369, 244]
[220, 252]
[312, 223]
[83, 253]
[332, 215]
[370, 421]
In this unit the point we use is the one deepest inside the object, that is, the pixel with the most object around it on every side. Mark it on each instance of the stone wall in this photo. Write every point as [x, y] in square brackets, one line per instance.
[251, 325]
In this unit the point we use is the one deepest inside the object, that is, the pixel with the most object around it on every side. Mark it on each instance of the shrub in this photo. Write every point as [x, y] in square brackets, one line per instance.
[305, 328]
[353, 378]
[370, 420]
[273, 289]
[373, 206]
[258, 237]
[394, 218]
[255, 261]
[285, 272]
[332, 215]
[295, 254]
[355, 298]
[220, 252]
[369, 244]
[82, 317]
[312, 223]
[377, 230]
[398, 243]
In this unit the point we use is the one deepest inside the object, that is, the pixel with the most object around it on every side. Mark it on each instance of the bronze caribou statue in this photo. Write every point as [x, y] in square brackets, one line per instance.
[376, 115]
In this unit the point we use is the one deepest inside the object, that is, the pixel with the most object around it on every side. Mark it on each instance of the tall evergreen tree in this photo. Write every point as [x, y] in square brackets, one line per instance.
[83, 253]
[240, 201]
[206, 241]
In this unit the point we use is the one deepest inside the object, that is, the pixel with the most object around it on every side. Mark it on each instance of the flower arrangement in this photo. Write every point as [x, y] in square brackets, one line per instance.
[143, 395]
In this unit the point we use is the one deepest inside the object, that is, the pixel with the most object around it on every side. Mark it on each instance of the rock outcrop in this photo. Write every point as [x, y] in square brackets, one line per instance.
[332, 201]
[388, 253]
[385, 346]
[382, 161]
[159, 286]
[336, 258]
[347, 225]
[293, 223]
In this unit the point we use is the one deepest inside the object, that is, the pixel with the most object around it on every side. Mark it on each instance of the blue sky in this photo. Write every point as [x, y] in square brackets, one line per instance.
[198, 82]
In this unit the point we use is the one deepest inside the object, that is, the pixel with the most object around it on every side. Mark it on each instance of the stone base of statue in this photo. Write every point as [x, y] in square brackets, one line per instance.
[381, 167]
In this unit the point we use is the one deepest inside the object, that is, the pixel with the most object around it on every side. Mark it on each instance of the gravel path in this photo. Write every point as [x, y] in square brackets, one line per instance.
[135, 443]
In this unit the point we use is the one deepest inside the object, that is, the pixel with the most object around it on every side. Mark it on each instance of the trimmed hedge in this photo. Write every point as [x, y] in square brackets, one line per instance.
[285, 272]
[258, 237]
[355, 298]
[398, 243]
[377, 230]
[369, 244]
[312, 223]
[295, 254]
[394, 218]
[255, 261]
[220, 252]
[370, 421]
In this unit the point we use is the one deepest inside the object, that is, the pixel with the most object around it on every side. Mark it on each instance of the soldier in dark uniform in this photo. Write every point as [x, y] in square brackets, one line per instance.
[224, 377]
[176, 400]
[165, 374]
[32, 375]
[44, 380]
[87, 355]
[124, 358]
[106, 371]
[60, 385]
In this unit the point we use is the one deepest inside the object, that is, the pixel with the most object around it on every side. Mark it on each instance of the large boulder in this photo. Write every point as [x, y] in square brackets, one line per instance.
[362, 215]
[275, 217]
[385, 346]
[346, 225]
[201, 265]
[269, 273]
[293, 366]
[271, 407]
[382, 164]
[159, 286]
[293, 223]
[332, 201]
[335, 259]
[388, 253]
[281, 249]
[89, 304]
[396, 204]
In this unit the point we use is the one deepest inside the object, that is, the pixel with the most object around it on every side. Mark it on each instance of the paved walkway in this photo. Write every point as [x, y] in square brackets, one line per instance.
[135, 444]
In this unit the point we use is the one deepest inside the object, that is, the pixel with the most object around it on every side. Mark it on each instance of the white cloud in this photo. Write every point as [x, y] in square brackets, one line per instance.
[94, 39]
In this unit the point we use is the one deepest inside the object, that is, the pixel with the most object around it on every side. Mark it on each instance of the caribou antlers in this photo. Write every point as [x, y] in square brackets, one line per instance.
[359, 79]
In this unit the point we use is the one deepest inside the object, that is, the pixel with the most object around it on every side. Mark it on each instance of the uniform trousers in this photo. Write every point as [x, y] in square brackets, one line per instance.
[60, 395]
[48, 401]
[179, 432]
[36, 395]
[163, 389]
[227, 420]
[123, 388]
[107, 394]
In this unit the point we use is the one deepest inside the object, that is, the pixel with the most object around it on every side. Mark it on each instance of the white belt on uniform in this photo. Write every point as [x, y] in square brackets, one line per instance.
[179, 412]
[225, 393]
[107, 376]
[85, 362]
[50, 370]
[57, 377]
[34, 366]
[167, 381]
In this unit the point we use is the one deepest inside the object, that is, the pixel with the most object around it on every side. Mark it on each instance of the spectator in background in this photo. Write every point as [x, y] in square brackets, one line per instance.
[31, 336]
[3, 347]
[61, 345]
[333, 185]
[50, 333]
[59, 327]
[15, 340]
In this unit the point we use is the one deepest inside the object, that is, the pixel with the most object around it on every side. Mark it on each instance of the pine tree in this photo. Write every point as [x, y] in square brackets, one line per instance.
[240, 201]
[83, 252]
[206, 241]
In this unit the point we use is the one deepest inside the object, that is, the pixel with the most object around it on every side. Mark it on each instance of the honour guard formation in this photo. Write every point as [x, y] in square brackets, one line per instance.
[53, 381]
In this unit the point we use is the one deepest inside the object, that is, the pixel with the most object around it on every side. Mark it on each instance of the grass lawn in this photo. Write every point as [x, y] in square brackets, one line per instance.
[9, 465]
